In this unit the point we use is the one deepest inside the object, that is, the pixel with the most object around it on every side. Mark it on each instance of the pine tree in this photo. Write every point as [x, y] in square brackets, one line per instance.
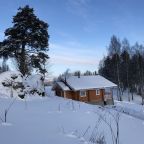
[124, 66]
[87, 73]
[133, 74]
[107, 70]
[27, 36]
[114, 52]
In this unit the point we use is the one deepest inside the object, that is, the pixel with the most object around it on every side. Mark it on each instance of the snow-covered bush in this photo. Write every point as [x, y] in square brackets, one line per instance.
[34, 84]
[9, 83]
[14, 84]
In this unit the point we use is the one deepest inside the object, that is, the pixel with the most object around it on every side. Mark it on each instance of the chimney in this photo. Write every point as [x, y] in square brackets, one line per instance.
[78, 74]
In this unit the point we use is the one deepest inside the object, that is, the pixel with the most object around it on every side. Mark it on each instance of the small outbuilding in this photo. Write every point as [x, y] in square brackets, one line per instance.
[92, 89]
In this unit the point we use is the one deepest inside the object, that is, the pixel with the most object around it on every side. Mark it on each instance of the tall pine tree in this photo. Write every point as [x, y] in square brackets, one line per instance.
[27, 36]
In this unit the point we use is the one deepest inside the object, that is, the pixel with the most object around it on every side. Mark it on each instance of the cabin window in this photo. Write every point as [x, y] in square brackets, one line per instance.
[97, 92]
[82, 93]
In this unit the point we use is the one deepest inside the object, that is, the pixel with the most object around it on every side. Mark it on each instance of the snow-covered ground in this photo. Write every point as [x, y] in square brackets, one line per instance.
[132, 107]
[55, 120]
[129, 108]
[137, 98]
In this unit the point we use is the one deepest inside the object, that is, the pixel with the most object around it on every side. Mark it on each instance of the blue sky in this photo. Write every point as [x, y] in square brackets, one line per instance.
[80, 30]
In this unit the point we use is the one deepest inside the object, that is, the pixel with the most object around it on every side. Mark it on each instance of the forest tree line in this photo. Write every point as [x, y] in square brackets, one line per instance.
[124, 65]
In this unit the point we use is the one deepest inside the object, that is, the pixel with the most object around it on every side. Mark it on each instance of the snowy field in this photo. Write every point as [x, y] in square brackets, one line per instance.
[54, 120]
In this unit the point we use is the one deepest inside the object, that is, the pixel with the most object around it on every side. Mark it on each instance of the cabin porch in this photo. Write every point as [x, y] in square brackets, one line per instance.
[107, 98]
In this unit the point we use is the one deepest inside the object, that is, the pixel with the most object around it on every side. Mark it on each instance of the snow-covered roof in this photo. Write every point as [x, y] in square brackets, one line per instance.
[86, 82]
[63, 86]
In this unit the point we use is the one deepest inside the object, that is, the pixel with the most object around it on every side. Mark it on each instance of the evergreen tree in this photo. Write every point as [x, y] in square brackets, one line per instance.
[27, 36]
[77, 73]
[114, 52]
[124, 66]
[88, 73]
[133, 74]
[106, 69]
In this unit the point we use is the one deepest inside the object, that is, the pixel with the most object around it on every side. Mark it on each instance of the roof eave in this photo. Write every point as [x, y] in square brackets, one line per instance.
[95, 88]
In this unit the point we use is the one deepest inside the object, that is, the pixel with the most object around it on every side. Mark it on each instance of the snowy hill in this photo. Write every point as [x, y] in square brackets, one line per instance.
[55, 120]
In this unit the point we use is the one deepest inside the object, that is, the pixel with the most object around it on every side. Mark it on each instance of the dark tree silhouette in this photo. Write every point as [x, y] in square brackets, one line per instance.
[125, 67]
[26, 37]
[114, 52]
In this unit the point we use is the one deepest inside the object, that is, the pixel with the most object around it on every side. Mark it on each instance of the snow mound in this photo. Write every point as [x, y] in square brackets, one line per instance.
[32, 84]
[5, 91]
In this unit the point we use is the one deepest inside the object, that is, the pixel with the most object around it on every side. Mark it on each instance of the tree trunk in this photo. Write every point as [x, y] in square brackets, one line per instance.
[127, 71]
[23, 62]
[132, 96]
[142, 100]
[5, 116]
[117, 94]
[112, 96]
[11, 93]
[128, 95]
[118, 78]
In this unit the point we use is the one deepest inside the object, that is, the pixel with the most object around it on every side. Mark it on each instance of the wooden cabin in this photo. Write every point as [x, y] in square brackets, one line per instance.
[92, 89]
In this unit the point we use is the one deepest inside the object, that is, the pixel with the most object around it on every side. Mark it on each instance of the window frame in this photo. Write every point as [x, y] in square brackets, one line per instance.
[83, 95]
[97, 92]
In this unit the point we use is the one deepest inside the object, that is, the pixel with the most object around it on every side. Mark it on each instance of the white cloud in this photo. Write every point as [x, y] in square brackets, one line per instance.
[82, 8]
[74, 60]
[78, 2]
[72, 55]
[78, 7]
